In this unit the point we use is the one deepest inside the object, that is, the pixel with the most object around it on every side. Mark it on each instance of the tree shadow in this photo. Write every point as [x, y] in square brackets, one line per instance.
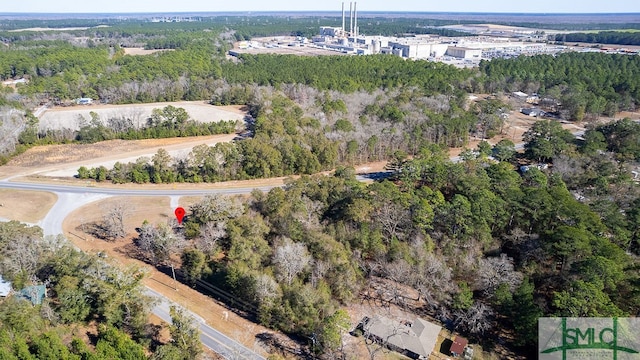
[445, 347]
[276, 345]
[132, 251]
[94, 229]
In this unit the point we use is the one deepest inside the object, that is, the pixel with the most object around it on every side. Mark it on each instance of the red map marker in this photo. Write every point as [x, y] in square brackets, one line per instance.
[179, 214]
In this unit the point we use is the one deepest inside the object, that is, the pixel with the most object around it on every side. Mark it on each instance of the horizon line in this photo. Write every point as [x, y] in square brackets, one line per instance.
[319, 11]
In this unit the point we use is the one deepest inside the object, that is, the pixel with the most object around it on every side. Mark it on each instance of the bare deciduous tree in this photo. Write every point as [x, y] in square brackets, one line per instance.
[158, 242]
[433, 280]
[216, 207]
[320, 268]
[290, 259]
[21, 255]
[113, 220]
[12, 122]
[210, 234]
[495, 271]
[309, 211]
[476, 320]
[266, 288]
[394, 218]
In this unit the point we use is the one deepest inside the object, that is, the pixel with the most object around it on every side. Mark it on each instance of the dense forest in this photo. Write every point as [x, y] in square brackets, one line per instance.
[82, 292]
[602, 37]
[584, 83]
[488, 244]
[489, 249]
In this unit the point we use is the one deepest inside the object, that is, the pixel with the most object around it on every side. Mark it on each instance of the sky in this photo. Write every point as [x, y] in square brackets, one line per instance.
[153, 6]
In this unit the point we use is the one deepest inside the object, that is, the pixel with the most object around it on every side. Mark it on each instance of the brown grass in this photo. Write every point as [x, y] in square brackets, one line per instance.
[41, 159]
[25, 206]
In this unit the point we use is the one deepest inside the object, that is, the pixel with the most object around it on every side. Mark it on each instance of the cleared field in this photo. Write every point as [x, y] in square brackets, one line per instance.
[25, 206]
[280, 45]
[142, 51]
[64, 160]
[75, 116]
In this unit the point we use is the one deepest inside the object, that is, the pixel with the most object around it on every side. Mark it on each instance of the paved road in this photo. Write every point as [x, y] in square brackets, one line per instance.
[210, 337]
[125, 192]
[73, 197]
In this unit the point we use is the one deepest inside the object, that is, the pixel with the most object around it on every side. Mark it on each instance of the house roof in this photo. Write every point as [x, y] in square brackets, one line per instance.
[458, 345]
[418, 337]
[5, 287]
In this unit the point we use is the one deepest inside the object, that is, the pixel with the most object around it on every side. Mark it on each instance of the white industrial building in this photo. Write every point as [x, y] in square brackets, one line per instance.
[332, 31]
[460, 52]
[426, 47]
[465, 50]
[418, 50]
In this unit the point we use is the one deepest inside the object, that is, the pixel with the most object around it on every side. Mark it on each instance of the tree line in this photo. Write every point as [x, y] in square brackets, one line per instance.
[583, 83]
[604, 84]
[167, 122]
[602, 37]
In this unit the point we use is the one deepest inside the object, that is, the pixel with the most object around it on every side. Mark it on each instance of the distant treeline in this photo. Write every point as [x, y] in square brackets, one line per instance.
[603, 37]
[308, 27]
[592, 83]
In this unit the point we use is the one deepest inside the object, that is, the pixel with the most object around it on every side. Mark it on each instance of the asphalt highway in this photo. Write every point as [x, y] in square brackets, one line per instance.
[210, 337]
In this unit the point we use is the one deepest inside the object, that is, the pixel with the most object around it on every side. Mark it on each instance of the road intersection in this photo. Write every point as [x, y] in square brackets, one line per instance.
[73, 197]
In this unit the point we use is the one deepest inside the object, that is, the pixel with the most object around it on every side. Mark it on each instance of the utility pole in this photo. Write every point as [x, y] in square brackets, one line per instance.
[175, 282]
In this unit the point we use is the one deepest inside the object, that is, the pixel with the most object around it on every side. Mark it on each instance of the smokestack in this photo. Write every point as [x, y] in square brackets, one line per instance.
[355, 19]
[350, 19]
[343, 16]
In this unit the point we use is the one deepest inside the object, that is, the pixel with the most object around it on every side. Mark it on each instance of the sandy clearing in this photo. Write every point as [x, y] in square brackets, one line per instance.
[177, 151]
[73, 117]
[280, 45]
[143, 51]
[7, 171]
[64, 160]
[25, 206]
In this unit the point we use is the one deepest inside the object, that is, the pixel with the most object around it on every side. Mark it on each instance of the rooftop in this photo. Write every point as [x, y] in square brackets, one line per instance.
[418, 337]
[458, 345]
[5, 287]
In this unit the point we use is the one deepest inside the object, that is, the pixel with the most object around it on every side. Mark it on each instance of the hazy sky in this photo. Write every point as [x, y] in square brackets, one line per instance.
[111, 6]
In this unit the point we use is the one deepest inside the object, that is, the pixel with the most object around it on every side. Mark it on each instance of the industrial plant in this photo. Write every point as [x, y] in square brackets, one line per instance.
[470, 50]
[488, 42]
